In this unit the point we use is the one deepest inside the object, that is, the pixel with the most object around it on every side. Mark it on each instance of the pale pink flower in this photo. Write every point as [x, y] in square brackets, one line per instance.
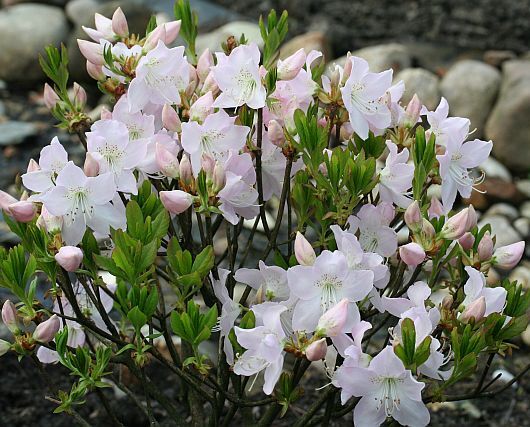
[446, 128]
[103, 29]
[475, 287]
[272, 280]
[395, 180]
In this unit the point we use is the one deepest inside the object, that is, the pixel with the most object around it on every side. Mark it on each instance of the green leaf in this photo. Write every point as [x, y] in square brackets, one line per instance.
[137, 318]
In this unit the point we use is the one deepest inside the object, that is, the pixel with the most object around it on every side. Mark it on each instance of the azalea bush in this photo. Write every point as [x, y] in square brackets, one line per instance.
[211, 162]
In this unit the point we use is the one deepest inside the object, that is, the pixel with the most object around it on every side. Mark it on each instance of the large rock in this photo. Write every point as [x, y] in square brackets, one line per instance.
[501, 228]
[470, 88]
[24, 31]
[15, 132]
[508, 125]
[314, 40]
[214, 39]
[384, 56]
[422, 82]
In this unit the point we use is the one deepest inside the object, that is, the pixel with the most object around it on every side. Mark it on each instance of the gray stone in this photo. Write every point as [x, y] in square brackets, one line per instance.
[13, 132]
[214, 39]
[384, 56]
[470, 88]
[508, 125]
[524, 187]
[522, 225]
[313, 40]
[25, 30]
[78, 10]
[525, 210]
[503, 209]
[495, 169]
[422, 82]
[2, 108]
[502, 229]
[522, 275]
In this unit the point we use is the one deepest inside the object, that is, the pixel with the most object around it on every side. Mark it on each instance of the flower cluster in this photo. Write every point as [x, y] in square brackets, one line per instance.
[210, 150]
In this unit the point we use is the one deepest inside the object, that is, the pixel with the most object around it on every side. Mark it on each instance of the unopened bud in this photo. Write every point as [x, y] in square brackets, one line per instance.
[219, 177]
[45, 331]
[204, 64]
[207, 165]
[474, 311]
[91, 166]
[119, 23]
[4, 347]
[316, 350]
[412, 112]
[105, 114]
[413, 217]
[185, 171]
[289, 68]
[193, 81]
[210, 85]
[69, 257]
[202, 107]
[458, 224]
[332, 321]
[467, 241]
[412, 254]
[447, 302]
[50, 96]
[48, 222]
[172, 29]
[507, 257]
[9, 316]
[170, 119]
[93, 52]
[166, 161]
[485, 247]
[95, 71]
[436, 209]
[80, 96]
[176, 201]
[275, 133]
[303, 251]
[159, 33]
[22, 211]
[347, 68]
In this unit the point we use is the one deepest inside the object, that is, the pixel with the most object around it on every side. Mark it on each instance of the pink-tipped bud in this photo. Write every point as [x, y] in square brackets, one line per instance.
[4, 347]
[172, 31]
[412, 254]
[50, 96]
[303, 251]
[202, 107]
[95, 71]
[33, 166]
[467, 241]
[185, 171]
[91, 166]
[347, 68]
[289, 68]
[193, 81]
[447, 302]
[458, 224]
[413, 217]
[93, 52]
[436, 209]
[106, 114]
[159, 33]
[6, 200]
[316, 350]
[204, 64]
[22, 211]
[79, 95]
[9, 316]
[210, 85]
[474, 311]
[412, 112]
[45, 331]
[219, 177]
[176, 201]
[69, 257]
[275, 133]
[332, 321]
[507, 257]
[170, 119]
[48, 222]
[485, 247]
[207, 165]
[166, 161]
[119, 23]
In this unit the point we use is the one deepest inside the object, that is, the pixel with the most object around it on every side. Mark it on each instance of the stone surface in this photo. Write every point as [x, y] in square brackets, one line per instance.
[503, 209]
[14, 132]
[524, 186]
[314, 40]
[495, 190]
[496, 58]
[502, 229]
[24, 31]
[522, 274]
[522, 225]
[495, 169]
[525, 210]
[508, 125]
[470, 88]
[78, 10]
[422, 82]
[385, 56]
[214, 39]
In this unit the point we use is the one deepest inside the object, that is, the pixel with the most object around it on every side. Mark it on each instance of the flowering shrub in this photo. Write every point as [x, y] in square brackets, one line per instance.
[207, 150]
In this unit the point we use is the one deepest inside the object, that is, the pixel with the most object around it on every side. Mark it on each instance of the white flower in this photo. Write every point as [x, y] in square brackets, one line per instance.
[396, 178]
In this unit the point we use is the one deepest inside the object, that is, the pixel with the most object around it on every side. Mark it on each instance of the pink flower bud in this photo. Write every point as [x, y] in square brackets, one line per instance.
[9, 316]
[289, 68]
[105, 114]
[45, 331]
[412, 112]
[474, 311]
[50, 96]
[412, 254]
[202, 107]
[413, 217]
[166, 161]
[275, 133]
[316, 350]
[22, 211]
[303, 251]
[458, 224]
[91, 166]
[119, 23]
[79, 95]
[207, 165]
[347, 68]
[210, 85]
[6, 200]
[93, 52]
[332, 321]
[436, 209]
[95, 71]
[471, 217]
[193, 82]
[507, 257]
[69, 257]
[467, 241]
[33, 166]
[176, 201]
[447, 302]
[159, 33]
[49, 222]
[427, 229]
[204, 64]
[4, 347]
[185, 171]
[172, 31]
[219, 177]
[485, 247]
[170, 119]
